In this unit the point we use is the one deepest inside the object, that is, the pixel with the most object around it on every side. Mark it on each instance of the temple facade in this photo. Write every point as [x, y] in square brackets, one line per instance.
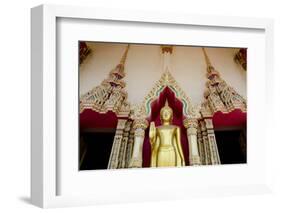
[124, 87]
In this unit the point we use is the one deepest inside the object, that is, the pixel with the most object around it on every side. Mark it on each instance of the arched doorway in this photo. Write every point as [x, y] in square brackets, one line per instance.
[96, 139]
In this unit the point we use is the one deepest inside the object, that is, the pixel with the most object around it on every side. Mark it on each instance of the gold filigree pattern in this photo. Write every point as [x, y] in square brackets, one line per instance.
[167, 80]
[190, 123]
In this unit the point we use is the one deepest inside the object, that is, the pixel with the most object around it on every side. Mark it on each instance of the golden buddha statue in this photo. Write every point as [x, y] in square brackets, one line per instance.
[165, 140]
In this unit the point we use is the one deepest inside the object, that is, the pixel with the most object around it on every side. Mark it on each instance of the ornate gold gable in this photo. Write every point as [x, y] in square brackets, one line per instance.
[110, 95]
[167, 80]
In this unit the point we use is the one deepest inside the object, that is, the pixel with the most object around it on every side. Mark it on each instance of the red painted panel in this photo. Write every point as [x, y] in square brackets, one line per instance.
[234, 118]
[91, 119]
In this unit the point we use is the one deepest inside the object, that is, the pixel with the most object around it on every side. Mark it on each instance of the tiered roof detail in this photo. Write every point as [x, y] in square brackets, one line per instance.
[219, 96]
[110, 95]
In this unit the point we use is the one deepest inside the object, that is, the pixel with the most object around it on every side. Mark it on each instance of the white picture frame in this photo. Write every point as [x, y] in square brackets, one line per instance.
[44, 149]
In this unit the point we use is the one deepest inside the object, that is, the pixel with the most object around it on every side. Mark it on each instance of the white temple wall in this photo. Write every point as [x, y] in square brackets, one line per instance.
[143, 68]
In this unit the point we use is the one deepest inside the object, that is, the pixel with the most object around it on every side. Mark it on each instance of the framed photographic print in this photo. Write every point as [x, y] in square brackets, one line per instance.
[130, 106]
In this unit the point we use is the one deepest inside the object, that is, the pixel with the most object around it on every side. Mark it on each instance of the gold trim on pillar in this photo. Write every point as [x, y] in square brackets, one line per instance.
[123, 149]
[139, 127]
[191, 125]
[209, 142]
[115, 150]
[212, 141]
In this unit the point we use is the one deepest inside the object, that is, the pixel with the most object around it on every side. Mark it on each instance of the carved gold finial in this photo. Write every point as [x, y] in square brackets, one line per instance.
[123, 59]
[208, 62]
[166, 106]
[167, 48]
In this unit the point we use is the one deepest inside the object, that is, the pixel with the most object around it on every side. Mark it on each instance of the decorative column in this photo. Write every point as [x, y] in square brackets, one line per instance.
[124, 143]
[215, 159]
[191, 125]
[130, 146]
[139, 127]
[200, 143]
[205, 142]
[114, 156]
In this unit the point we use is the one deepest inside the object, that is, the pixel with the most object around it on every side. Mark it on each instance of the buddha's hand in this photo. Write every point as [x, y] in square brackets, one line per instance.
[152, 133]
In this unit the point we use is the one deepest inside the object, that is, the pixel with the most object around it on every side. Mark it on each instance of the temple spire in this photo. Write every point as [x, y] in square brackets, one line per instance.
[124, 57]
[167, 51]
[207, 60]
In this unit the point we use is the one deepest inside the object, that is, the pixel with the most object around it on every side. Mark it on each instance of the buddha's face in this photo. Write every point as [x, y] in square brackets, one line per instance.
[166, 114]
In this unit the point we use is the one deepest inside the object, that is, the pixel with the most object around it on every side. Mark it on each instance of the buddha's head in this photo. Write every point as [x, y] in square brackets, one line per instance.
[166, 114]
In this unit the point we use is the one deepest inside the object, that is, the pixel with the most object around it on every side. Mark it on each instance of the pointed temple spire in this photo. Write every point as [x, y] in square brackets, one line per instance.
[210, 67]
[118, 71]
[208, 62]
[124, 57]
